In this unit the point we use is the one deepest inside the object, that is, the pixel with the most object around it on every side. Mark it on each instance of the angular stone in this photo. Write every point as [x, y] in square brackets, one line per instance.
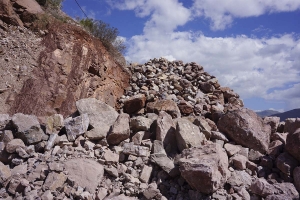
[101, 193]
[205, 168]
[296, 175]
[238, 161]
[51, 141]
[188, 135]
[131, 149]
[54, 124]
[6, 136]
[86, 173]
[47, 195]
[101, 116]
[204, 126]
[286, 163]
[112, 171]
[76, 126]
[292, 143]
[166, 131]
[110, 157]
[120, 130]
[14, 144]
[135, 103]
[231, 149]
[163, 161]
[151, 191]
[275, 148]
[54, 181]
[5, 173]
[146, 174]
[218, 136]
[28, 128]
[138, 137]
[185, 107]
[284, 191]
[4, 121]
[168, 106]
[273, 122]
[246, 128]
[291, 125]
[239, 178]
[140, 123]
[262, 188]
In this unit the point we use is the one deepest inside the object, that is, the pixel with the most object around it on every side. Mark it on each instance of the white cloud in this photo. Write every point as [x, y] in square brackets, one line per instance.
[166, 15]
[251, 66]
[222, 12]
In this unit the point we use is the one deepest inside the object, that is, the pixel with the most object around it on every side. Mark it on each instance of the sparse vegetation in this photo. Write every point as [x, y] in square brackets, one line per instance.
[108, 36]
[53, 4]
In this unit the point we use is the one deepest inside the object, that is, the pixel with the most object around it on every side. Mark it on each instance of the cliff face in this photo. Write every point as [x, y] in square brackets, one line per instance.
[67, 64]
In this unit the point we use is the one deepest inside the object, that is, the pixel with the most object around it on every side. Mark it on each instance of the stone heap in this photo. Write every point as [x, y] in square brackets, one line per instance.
[148, 152]
[188, 85]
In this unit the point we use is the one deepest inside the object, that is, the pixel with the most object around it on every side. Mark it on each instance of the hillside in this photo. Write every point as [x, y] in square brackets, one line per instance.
[266, 113]
[75, 124]
[295, 113]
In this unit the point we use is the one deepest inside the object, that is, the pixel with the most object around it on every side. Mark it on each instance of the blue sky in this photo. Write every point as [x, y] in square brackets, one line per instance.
[252, 46]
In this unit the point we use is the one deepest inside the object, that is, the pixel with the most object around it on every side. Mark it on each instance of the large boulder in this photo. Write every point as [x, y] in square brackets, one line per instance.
[168, 106]
[86, 173]
[28, 128]
[291, 125]
[244, 127]
[120, 130]
[76, 126]
[188, 135]
[292, 144]
[101, 116]
[135, 103]
[205, 168]
[166, 131]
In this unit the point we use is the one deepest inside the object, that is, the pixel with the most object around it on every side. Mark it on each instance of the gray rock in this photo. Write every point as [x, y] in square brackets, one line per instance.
[6, 136]
[286, 163]
[208, 162]
[13, 145]
[188, 135]
[218, 135]
[296, 175]
[164, 162]
[239, 178]
[168, 106]
[135, 103]
[238, 161]
[292, 143]
[120, 130]
[246, 128]
[140, 123]
[166, 131]
[4, 120]
[51, 141]
[101, 117]
[54, 124]
[76, 126]
[291, 125]
[273, 122]
[5, 173]
[28, 128]
[146, 174]
[86, 173]
[131, 149]
[262, 188]
[231, 149]
[54, 181]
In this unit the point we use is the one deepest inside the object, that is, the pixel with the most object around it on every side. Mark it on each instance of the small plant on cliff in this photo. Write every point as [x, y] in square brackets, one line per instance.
[53, 4]
[108, 36]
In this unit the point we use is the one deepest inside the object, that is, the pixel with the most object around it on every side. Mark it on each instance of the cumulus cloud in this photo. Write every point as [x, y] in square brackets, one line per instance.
[222, 13]
[253, 67]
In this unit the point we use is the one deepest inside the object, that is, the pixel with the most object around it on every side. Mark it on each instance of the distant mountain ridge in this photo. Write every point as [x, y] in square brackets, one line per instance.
[288, 114]
[266, 113]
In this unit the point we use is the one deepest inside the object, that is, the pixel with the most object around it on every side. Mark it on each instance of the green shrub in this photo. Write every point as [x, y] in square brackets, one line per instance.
[53, 4]
[108, 36]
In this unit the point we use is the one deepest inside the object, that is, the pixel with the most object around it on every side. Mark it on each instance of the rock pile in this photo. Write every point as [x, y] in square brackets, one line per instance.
[153, 148]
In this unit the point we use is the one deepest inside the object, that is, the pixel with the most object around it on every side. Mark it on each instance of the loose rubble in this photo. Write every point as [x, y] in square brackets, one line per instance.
[178, 135]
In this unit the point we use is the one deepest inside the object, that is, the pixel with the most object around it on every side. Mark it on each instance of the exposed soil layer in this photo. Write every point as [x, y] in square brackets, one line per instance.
[73, 65]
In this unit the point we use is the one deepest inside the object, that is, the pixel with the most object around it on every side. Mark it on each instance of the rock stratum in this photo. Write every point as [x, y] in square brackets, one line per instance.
[76, 125]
